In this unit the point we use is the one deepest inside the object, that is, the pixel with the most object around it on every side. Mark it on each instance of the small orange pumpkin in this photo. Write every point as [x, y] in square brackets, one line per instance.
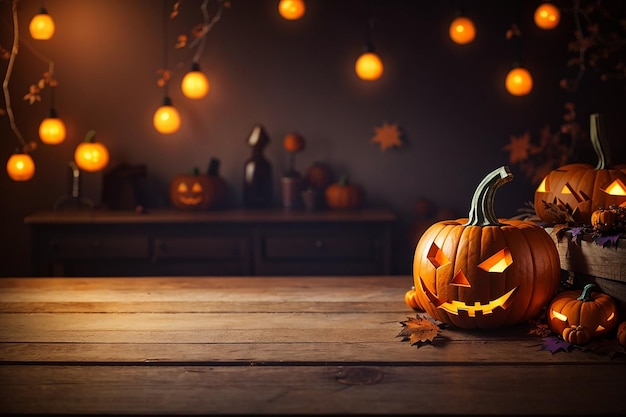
[293, 142]
[621, 333]
[343, 195]
[603, 220]
[595, 311]
[411, 300]
[90, 155]
[576, 335]
[318, 176]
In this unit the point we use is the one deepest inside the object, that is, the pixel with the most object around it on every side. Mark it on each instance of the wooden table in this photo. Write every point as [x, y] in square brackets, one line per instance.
[272, 345]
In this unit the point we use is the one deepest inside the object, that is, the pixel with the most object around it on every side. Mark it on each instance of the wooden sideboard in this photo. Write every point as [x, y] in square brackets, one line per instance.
[226, 242]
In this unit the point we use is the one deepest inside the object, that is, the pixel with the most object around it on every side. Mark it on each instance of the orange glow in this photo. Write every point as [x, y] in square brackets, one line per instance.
[498, 262]
[436, 256]
[166, 119]
[547, 16]
[291, 9]
[369, 66]
[195, 85]
[542, 187]
[41, 26]
[20, 167]
[616, 188]
[91, 155]
[519, 82]
[462, 30]
[52, 130]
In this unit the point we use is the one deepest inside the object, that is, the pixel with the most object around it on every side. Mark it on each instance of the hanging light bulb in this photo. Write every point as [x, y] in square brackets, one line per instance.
[166, 118]
[195, 85]
[20, 166]
[462, 30]
[52, 129]
[90, 155]
[518, 81]
[41, 26]
[291, 9]
[547, 16]
[369, 66]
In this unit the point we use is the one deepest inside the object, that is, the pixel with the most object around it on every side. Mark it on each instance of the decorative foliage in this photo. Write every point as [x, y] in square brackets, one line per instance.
[419, 330]
[599, 234]
[387, 136]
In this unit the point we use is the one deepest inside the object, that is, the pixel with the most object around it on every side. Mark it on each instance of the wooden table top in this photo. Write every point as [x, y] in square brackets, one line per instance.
[272, 345]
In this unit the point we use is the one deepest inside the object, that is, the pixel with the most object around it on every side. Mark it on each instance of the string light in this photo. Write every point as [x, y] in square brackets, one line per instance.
[547, 16]
[195, 85]
[166, 119]
[462, 30]
[41, 26]
[52, 129]
[518, 81]
[20, 167]
[291, 9]
[368, 65]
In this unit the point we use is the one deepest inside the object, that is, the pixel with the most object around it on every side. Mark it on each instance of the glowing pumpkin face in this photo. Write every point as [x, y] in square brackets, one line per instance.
[478, 272]
[593, 311]
[196, 191]
[580, 189]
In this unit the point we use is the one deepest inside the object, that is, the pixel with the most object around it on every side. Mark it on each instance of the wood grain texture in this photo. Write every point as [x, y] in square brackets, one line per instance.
[271, 345]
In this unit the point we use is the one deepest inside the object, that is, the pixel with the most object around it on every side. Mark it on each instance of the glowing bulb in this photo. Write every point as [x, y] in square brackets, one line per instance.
[90, 155]
[166, 119]
[195, 85]
[462, 30]
[41, 26]
[291, 9]
[547, 16]
[519, 82]
[52, 129]
[369, 66]
[20, 167]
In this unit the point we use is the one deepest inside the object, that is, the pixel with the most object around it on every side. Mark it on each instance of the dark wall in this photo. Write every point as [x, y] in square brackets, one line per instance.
[448, 100]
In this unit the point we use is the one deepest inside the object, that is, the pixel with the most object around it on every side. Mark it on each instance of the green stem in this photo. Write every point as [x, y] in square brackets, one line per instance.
[481, 210]
[598, 140]
[586, 294]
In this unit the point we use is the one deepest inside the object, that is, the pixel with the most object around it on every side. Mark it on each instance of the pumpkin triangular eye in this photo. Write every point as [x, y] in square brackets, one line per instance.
[436, 256]
[617, 187]
[196, 187]
[460, 280]
[182, 187]
[544, 186]
[497, 262]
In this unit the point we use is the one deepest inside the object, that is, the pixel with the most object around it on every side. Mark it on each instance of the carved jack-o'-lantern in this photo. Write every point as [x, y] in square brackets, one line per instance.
[596, 312]
[197, 191]
[479, 272]
[580, 188]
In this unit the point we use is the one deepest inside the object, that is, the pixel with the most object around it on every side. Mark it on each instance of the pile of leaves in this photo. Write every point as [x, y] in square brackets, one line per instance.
[602, 236]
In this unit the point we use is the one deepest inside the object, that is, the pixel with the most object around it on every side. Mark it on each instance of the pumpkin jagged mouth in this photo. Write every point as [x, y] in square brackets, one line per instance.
[190, 200]
[453, 306]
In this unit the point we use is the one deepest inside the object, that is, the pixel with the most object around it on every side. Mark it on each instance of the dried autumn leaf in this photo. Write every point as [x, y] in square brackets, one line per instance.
[418, 330]
[181, 41]
[388, 136]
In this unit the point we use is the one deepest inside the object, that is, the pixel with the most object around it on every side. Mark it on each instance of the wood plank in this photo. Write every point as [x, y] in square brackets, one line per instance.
[426, 390]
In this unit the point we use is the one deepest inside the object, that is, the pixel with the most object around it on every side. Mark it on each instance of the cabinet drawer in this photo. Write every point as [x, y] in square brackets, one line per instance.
[208, 248]
[99, 247]
[317, 248]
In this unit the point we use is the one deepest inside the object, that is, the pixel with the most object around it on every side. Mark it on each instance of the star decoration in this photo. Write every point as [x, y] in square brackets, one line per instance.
[387, 136]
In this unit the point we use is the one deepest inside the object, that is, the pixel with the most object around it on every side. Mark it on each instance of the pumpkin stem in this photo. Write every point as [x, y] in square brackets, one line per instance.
[214, 167]
[481, 211]
[195, 171]
[343, 180]
[586, 294]
[90, 137]
[598, 140]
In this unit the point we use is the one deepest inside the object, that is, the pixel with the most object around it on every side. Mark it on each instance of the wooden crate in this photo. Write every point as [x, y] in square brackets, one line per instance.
[589, 262]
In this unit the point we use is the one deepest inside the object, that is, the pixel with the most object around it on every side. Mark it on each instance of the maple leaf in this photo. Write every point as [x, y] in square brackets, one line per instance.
[609, 241]
[418, 330]
[554, 344]
[539, 328]
[387, 135]
[519, 148]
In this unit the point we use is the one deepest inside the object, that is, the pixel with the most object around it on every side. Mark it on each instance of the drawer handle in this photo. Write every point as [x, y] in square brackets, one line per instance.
[319, 244]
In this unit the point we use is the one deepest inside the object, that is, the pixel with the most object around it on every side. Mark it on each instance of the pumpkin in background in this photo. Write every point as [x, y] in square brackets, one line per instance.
[621, 333]
[197, 191]
[576, 335]
[410, 298]
[581, 188]
[293, 142]
[485, 272]
[318, 176]
[604, 220]
[90, 155]
[344, 195]
[596, 312]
